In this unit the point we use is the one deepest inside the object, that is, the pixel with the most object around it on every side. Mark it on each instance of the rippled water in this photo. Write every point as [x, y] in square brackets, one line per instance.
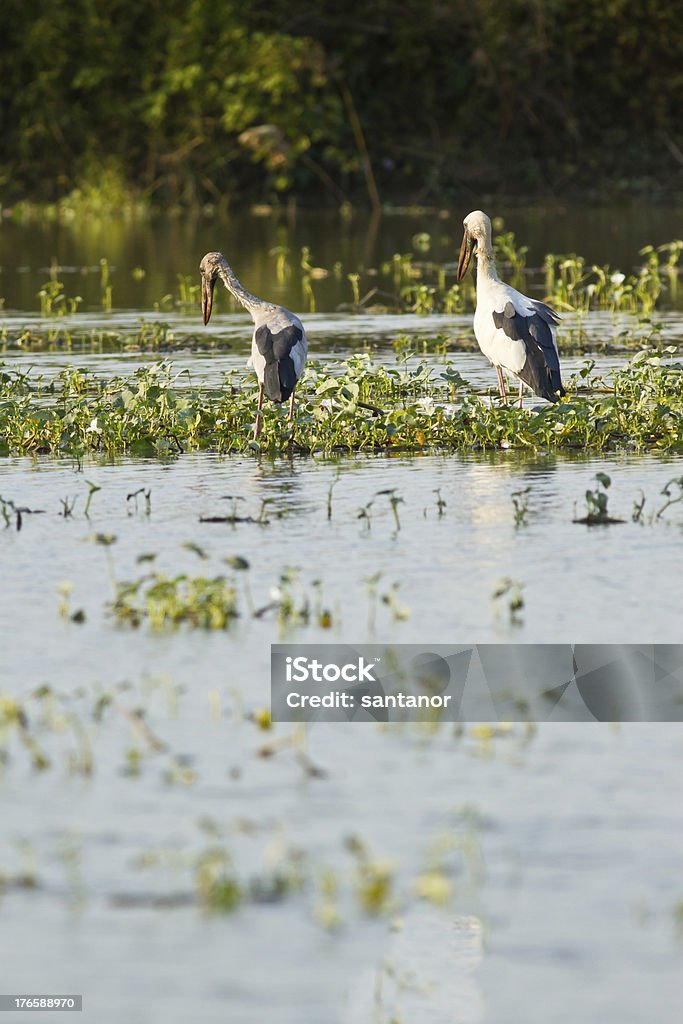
[563, 845]
[594, 584]
[567, 873]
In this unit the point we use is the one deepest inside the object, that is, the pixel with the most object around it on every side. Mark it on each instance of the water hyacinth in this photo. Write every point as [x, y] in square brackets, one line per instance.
[353, 406]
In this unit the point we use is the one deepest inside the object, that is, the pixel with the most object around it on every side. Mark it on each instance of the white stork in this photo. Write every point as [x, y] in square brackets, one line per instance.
[515, 333]
[278, 346]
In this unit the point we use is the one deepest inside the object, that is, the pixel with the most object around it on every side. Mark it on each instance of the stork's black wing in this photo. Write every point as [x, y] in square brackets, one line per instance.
[546, 312]
[541, 371]
[279, 378]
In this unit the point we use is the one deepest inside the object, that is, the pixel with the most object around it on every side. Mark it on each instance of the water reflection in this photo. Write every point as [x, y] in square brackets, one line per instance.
[165, 247]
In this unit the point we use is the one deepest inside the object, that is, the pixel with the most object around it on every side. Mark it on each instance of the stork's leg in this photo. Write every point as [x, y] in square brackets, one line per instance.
[521, 389]
[257, 428]
[501, 384]
[291, 408]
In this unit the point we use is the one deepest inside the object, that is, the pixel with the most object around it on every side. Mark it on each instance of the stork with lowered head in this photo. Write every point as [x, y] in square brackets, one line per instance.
[278, 346]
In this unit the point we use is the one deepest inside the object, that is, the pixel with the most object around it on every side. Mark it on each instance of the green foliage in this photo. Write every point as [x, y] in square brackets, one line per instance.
[352, 406]
[168, 602]
[520, 505]
[179, 101]
[227, 95]
[508, 593]
[596, 504]
[596, 501]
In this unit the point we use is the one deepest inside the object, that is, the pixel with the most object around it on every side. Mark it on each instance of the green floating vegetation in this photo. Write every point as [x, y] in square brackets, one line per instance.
[566, 281]
[597, 513]
[357, 407]
[54, 301]
[60, 729]
[166, 602]
[509, 593]
[370, 886]
[596, 504]
[402, 284]
[630, 334]
[150, 336]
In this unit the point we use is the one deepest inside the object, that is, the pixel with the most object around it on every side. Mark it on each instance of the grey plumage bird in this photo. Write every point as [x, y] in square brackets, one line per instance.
[279, 345]
[515, 333]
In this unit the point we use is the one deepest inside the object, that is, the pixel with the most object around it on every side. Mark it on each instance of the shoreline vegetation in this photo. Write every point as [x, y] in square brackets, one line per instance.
[420, 402]
[116, 200]
[361, 407]
[427, 103]
[412, 282]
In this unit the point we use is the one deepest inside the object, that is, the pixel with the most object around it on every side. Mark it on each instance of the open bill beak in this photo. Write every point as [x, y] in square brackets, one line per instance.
[207, 298]
[466, 250]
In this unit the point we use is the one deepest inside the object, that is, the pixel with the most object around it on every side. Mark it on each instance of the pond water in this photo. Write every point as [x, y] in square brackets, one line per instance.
[145, 258]
[561, 845]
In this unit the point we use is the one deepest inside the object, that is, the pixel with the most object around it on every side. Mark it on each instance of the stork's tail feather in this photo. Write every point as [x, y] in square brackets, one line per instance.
[556, 388]
[549, 392]
[279, 380]
[552, 396]
[544, 382]
[552, 389]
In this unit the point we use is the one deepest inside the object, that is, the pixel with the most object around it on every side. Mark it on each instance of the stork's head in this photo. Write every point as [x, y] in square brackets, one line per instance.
[477, 235]
[208, 268]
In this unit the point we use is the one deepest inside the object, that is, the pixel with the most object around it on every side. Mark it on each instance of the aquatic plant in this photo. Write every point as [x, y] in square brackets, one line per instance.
[673, 490]
[352, 406]
[568, 282]
[399, 611]
[54, 300]
[354, 279]
[168, 602]
[508, 253]
[520, 505]
[596, 504]
[374, 878]
[9, 508]
[333, 484]
[394, 501]
[638, 506]
[105, 286]
[440, 502]
[511, 590]
[189, 291]
[92, 490]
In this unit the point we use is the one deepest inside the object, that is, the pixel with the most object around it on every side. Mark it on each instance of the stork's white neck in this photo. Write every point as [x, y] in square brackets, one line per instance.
[250, 302]
[486, 265]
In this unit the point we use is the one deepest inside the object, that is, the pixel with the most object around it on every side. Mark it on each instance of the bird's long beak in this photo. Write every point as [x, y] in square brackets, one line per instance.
[466, 250]
[207, 297]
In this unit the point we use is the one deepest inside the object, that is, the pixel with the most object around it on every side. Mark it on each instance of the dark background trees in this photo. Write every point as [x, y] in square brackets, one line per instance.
[424, 99]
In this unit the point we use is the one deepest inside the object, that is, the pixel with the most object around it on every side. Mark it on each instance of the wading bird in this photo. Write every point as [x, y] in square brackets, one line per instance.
[278, 345]
[516, 333]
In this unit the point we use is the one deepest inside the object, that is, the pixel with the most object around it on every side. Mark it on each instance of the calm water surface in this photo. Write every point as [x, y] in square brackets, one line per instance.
[563, 846]
[166, 248]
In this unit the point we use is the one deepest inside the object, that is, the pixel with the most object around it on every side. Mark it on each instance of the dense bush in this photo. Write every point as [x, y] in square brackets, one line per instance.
[481, 95]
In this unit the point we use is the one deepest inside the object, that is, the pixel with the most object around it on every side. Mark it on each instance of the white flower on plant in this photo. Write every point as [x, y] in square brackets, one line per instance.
[431, 407]
[427, 403]
[618, 278]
